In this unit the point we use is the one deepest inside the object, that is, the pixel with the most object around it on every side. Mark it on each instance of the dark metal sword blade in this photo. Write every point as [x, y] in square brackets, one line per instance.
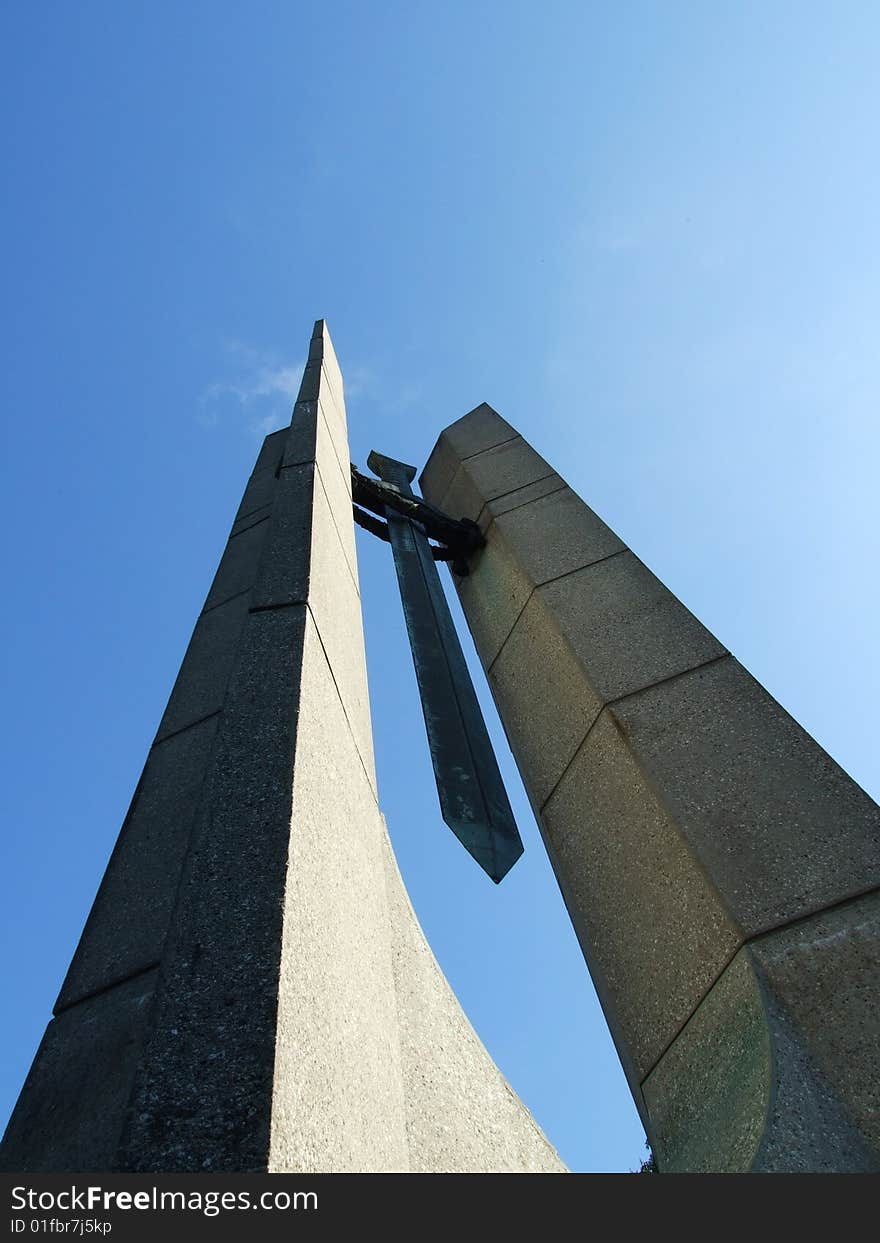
[473, 800]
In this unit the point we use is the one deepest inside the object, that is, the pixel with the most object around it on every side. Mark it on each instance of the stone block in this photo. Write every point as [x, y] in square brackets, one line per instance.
[526, 547]
[544, 699]
[220, 963]
[301, 445]
[200, 687]
[654, 931]
[310, 384]
[824, 970]
[582, 640]
[244, 524]
[72, 1108]
[708, 1098]
[336, 607]
[511, 465]
[339, 502]
[463, 498]
[777, 825]
[283, 572]
[334, 418]
[271, 452]
[519, 497]
[237, 570]
[143, 873]
[482, 428]
[774, 1071]
[493, 595]
[555, 535]
[312, 436]
[258, 495]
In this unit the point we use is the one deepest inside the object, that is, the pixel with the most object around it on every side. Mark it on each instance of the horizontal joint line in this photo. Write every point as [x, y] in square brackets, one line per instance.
[283, 604]
[105, 988]
[235, 595]
[182, 730]
[619, 699]
[489, 448]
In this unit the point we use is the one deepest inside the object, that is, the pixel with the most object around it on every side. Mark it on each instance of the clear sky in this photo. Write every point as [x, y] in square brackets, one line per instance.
[645, 232]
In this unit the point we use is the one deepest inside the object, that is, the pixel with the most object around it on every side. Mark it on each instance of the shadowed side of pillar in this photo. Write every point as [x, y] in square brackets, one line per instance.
[720, 869]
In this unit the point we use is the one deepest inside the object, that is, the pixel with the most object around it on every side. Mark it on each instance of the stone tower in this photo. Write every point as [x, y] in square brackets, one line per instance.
[720, 870]
[252, 991]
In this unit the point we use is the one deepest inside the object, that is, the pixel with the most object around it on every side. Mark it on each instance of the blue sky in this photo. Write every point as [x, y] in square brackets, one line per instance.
[644, 232]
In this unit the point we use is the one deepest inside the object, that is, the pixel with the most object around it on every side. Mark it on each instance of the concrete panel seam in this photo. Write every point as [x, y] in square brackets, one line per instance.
[671, 677]
[343, 466]
[700, 999]
[562, 487]
[270, 608]
[105, 988]
[491, 664]
[246, 591]
[342, 703]
[336, 529]
[577, 751]
[326, 382]
[682, 673]
[183, 728]
[508, 441]
[546, 583]
[307, 461]
[847, 900]
[588, 565]
[251, 525]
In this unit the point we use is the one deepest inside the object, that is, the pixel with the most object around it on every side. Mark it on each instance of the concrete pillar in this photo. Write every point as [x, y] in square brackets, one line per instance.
[252, 991]
[721, 871]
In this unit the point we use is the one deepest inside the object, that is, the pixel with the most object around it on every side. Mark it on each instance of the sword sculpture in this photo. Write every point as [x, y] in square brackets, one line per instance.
[473, 801]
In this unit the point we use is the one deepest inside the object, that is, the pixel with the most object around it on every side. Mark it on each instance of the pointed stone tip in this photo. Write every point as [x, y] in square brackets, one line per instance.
[481, 428]
[483, 407]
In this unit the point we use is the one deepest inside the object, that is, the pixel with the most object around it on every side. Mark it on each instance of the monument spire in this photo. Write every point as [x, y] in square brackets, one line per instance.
[252, 991]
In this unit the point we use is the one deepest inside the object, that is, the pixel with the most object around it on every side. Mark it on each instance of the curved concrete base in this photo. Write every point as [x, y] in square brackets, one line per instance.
[774, 1071]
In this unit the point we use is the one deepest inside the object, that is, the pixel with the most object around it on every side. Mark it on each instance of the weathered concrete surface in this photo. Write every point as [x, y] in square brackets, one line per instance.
[72, 1107]
[714, 859]
[461, 1114]
[252, 972]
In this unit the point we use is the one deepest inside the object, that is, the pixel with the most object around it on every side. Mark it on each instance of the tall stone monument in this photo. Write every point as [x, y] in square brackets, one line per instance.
[252, 991]
[720, 869]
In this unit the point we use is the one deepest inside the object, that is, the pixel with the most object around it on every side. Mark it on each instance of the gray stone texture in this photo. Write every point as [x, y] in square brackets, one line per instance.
[258, 495]
[338, 1089]
[252, 991]
[784, 1048]
[72, 1107]
[143, 872]
[650, 922]
[480, 429]
[611, 629]
[714, 859]
[461, 1114]
[200, 686]
[523, 552]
